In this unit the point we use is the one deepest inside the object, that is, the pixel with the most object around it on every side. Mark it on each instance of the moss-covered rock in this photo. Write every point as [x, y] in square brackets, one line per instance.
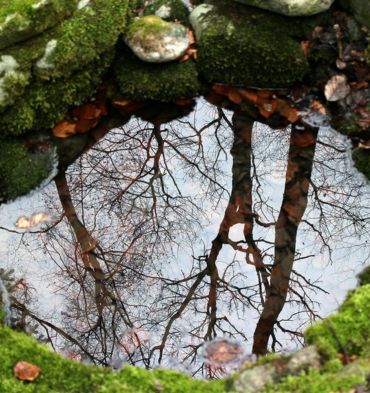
[162, 82]
[21, 170]
[93, 29]
[244, 45]
[45, 103]
[169, 10]
[22, 19]
[16, 64]
[348, 329]
[360, 10]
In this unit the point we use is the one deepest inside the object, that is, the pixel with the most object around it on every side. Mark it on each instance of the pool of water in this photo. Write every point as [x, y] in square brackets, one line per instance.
[165, 235]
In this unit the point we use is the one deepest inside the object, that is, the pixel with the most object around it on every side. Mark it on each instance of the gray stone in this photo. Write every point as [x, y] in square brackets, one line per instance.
[255, 379]
[292, 7]
[156, 41]
[302, 360]
[197, 20]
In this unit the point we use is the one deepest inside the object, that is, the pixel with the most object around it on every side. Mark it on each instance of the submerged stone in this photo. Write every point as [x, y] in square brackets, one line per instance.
[156, 41]
[23, 19]
[247, 46]
[139, 80]
[291, 7]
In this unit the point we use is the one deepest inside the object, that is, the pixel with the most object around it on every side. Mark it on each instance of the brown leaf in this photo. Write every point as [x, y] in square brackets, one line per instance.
[318, 107]
[248, 96]
[184, 101]
[285, 110]
[64, 129]
[26, 371]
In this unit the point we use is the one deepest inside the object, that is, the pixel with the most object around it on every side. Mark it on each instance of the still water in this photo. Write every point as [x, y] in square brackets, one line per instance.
[166, 235]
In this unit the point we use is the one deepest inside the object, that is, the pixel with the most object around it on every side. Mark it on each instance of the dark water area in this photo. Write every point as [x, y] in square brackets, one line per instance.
[165, 235]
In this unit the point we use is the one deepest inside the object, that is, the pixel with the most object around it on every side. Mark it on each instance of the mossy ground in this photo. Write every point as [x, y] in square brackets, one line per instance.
[161, 82]
[21, 170]
[248, 46]
[59, 375]
[348, 329]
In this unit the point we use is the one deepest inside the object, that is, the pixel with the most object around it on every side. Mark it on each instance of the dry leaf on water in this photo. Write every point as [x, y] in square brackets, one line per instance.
[26, 371]
[337, 88]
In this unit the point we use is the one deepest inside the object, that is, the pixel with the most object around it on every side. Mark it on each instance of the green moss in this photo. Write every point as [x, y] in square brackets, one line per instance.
[45, 103]
[176, 10]
[22, 19]
[315, 382]
[22, 58]
[244, 45]
[62, 376]
[21, 170]
[161, 82]
[348, 329]
[83, 38]
[361, 158]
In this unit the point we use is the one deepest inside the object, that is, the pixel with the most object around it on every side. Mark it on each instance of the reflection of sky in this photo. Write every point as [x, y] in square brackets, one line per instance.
[349, 252]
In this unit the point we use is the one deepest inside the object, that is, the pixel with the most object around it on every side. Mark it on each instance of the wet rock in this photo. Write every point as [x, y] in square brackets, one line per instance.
[154, 40]
[291, 7]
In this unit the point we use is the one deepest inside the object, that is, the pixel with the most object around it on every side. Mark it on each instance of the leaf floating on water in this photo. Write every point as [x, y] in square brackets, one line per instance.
[26, 371]
[25, 222]
[337, 88]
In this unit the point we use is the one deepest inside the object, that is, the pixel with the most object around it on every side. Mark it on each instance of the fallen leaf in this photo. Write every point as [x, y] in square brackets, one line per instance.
[317, 106]
[26, 371]
[337, 88]
[305, 46]
[64, 129]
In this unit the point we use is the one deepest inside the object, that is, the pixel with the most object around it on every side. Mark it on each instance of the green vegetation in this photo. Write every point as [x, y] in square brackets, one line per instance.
[21, 170]
[248, 46]
[162, 82]
[348, 329]
[45, 103]
[176, 10]
[59, 375]
[22, 19]
[91, 31]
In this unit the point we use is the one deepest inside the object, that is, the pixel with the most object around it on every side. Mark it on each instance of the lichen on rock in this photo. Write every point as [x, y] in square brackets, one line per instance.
[154, 40]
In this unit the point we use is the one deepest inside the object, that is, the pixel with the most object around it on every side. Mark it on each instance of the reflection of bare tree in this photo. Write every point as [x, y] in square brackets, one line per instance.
[133, 209]
[300, 161]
